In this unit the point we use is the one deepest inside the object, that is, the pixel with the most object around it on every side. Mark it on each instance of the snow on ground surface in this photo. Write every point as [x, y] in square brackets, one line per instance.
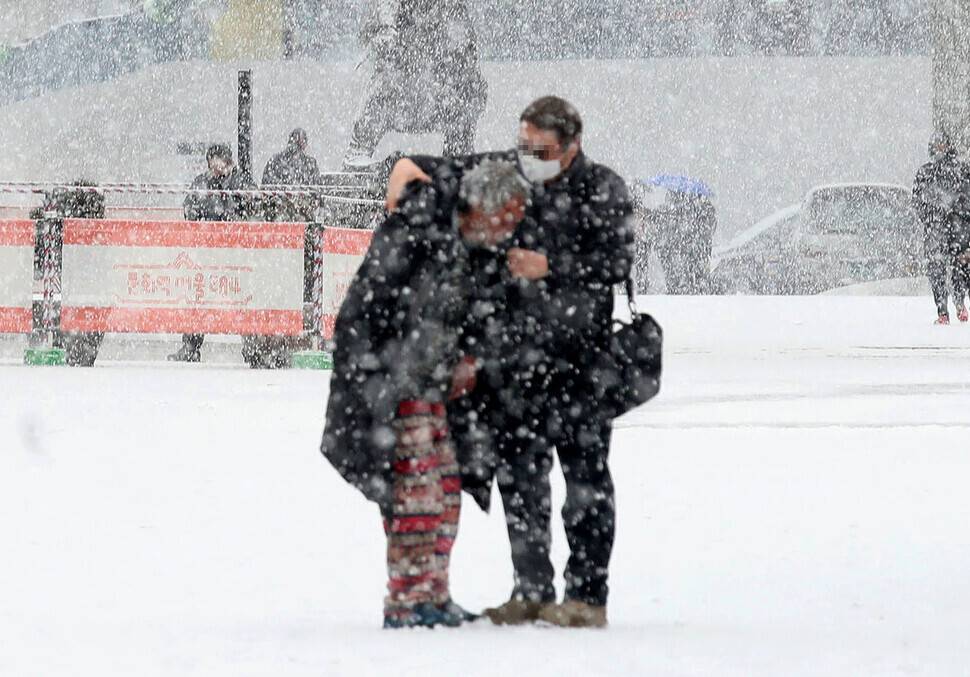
[794, 503]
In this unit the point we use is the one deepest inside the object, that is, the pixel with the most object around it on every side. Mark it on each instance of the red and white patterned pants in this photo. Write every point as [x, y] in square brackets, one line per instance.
[426, 505]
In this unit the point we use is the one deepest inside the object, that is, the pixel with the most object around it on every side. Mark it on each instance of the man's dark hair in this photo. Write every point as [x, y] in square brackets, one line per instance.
[220, 150]
[551, 113]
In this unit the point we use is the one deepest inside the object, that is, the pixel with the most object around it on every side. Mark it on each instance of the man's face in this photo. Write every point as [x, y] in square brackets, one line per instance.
[219, 166]
[487, 230]
[545, 144]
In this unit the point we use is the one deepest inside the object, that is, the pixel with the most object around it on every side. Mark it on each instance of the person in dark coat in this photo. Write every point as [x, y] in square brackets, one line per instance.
[684, 241]
[938, 186]
[426, 77]
[398, 358]
[222, 175]
[555, 320]
[292, 166]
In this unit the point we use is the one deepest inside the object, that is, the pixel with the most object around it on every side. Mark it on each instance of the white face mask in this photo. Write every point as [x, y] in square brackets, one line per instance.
[536, 170]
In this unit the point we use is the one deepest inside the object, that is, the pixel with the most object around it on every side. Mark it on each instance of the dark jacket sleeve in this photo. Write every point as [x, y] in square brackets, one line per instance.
[606, 255]
[193, 207]
[314, 179]
[923, 203]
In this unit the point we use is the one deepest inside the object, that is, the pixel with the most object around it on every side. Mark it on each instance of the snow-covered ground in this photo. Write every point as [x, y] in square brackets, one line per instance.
[794, 503]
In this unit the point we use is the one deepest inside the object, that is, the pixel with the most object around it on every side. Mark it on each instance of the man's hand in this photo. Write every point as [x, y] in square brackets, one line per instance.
[528, 264]
[403, 173]
[463, 378]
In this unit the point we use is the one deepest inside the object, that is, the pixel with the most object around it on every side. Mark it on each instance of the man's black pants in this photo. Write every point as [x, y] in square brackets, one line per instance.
[524, 432]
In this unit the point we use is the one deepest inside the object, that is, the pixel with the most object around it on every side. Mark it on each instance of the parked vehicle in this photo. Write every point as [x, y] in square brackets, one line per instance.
[839, 235]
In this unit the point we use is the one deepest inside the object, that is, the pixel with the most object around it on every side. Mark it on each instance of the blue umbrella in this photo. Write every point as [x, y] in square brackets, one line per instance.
[679, 184]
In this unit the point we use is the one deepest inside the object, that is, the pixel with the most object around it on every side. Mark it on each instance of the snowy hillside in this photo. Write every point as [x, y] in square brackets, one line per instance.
[793, 503]
[761, 131]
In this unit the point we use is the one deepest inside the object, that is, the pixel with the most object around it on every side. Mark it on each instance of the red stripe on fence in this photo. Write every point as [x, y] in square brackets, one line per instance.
[327, 325]
[346, 241]
[209, 234]
[188, 320]
[17, 233]
[15, 320]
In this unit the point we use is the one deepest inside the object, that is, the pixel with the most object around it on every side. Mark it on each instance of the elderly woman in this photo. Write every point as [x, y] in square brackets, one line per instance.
[397, 361]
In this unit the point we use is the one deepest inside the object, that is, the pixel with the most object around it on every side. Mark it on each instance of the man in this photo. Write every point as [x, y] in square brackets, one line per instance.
[397, 359]
[574, 244]
[222, 175]
[426, 77]
[291, 167]
[938, 186]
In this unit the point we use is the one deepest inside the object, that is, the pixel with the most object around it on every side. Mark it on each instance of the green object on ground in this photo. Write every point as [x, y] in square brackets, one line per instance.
[312, 359]
[50, 357]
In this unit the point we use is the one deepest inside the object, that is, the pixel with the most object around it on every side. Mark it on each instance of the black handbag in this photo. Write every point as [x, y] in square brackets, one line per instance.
[629, 374]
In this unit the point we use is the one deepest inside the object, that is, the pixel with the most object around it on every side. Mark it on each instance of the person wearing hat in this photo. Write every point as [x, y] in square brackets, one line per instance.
[221, 175]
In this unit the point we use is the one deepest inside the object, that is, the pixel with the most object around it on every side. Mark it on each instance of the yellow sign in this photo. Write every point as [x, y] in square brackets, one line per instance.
[250, 29]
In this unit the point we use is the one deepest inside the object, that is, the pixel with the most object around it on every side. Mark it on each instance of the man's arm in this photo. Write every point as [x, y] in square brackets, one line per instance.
[608, 255]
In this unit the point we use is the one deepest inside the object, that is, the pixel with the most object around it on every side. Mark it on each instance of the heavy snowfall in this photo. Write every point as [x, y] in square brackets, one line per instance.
[791, 205]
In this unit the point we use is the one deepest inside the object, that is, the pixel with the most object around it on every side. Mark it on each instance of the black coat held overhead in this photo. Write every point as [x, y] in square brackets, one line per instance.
[549, 339]
[397, 335]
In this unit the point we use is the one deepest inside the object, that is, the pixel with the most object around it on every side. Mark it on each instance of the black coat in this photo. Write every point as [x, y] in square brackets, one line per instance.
[291, 167]
[937, 189]
[541, 342]
[397, 336]
[215, 207]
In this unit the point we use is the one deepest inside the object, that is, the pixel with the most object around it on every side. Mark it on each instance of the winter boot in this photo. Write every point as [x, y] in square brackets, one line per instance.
[515, 612]
[574, 614]
[943, 319]
[962, 314]
[454, 611]
[421, 616]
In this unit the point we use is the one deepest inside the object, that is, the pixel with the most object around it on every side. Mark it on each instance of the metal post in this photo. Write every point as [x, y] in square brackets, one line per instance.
[245, 125]
[317, 295]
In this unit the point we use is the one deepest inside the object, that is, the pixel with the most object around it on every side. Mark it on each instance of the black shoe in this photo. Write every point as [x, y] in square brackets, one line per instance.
[185, 354]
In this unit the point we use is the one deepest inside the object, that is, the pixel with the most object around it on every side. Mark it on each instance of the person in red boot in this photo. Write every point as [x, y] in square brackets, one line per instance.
[399, 358]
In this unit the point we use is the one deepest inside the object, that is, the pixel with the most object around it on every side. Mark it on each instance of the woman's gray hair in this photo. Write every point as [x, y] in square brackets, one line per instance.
[491, 184]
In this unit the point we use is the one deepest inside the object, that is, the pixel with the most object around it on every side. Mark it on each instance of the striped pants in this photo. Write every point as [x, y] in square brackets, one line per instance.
[423, 524]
